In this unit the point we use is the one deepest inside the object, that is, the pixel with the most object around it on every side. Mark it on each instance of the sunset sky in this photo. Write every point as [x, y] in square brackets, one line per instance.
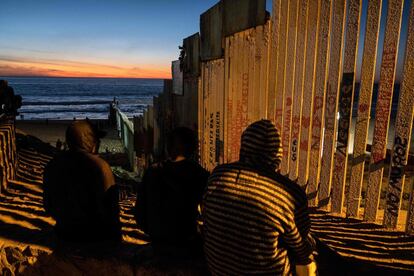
[107, 38]
[99, 38]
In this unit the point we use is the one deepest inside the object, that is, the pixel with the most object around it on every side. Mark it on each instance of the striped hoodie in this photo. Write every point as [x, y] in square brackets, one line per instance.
[255, 220]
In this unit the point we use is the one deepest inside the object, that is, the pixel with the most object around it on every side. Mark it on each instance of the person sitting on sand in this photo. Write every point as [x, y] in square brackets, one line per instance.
[80, 191]
[169, 195]
[255, 220]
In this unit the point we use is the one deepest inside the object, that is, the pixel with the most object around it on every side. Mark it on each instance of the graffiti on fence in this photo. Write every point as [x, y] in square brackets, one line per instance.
[397, 172]
[218, 145]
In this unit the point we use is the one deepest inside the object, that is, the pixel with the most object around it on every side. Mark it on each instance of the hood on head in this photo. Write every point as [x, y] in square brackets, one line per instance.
[261, 146]
[84, 136]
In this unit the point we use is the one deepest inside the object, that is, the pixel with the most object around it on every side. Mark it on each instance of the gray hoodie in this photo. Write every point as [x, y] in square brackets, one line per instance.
[80, 191]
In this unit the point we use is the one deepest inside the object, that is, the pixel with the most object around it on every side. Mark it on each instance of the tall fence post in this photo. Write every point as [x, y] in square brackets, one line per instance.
[126, 134]
[331, 106]
[8, 154]
[346, 99]
[308, 91]
[383, 108]
[301, 49]
[289, 82]
[401, 147]
[364, 106]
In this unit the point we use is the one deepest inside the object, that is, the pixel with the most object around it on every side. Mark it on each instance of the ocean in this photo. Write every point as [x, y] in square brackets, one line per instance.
[66, 98]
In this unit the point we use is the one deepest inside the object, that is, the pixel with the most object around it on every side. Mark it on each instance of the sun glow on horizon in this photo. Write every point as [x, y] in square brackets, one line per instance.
[63, 68]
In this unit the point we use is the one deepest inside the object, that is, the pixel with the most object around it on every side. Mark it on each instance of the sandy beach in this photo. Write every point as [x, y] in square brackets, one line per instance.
[50, 131]
[28, 245]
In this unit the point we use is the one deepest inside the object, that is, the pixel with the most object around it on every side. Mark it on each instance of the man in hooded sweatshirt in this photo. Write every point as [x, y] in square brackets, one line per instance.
[168, 198]
[255, 220]
[80, 191]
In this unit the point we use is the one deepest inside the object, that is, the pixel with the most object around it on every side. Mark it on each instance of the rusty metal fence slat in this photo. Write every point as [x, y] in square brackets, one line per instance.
[281, 65]
[364, 106]
[331, 106]
[289, 83]
[319, 100]
[308, 91]
[383, 108]
[401, 147]
[301, 48]
[346, 99]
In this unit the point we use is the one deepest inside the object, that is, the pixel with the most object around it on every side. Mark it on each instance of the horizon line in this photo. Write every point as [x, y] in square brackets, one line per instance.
[69, 77]
[141, 78]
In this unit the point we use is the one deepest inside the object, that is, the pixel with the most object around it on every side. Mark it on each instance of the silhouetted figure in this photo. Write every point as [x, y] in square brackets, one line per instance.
[80, 190]
[59, 144]
[254, 218]
[168, 197]
[112, 112]
[9, 102]
[3, 94]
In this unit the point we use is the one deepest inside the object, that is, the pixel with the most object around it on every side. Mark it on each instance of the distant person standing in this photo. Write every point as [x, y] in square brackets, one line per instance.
[80, 191]
[59, 144]
[256, 221]
[168, 197]
[112, 112]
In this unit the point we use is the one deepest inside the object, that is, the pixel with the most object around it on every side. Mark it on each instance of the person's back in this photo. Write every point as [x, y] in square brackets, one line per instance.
[80, 191]
[255, 220]
[172, 191]
[168, 197]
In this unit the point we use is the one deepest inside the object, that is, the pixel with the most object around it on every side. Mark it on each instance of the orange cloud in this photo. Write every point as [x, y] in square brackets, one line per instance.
[62, 68]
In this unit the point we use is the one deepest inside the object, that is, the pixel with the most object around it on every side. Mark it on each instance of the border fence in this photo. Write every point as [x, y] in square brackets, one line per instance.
[8, 155]
[125, 129]
[137, 137]
[346, 133]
